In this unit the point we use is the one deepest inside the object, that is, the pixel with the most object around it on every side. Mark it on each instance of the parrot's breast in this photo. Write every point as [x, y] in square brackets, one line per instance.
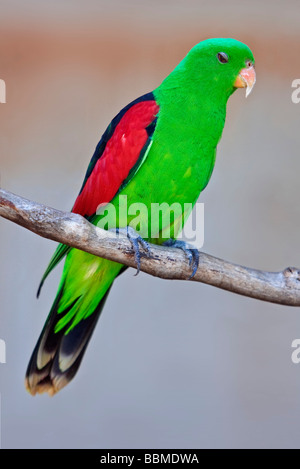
[177, 168]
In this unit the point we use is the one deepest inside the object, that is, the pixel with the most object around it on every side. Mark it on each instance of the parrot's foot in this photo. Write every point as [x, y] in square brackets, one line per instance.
[191, 252]
[136, 241]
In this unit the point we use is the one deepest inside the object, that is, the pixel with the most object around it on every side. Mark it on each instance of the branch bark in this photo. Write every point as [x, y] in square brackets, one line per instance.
[168, 263]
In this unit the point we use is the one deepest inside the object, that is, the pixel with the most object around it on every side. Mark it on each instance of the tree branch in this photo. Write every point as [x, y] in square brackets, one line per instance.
[168, 263]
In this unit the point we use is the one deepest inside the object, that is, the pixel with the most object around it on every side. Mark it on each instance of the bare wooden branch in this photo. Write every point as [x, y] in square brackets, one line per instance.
[168, 263]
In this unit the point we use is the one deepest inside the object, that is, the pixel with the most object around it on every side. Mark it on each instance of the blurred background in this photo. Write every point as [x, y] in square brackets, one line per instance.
[171, 364]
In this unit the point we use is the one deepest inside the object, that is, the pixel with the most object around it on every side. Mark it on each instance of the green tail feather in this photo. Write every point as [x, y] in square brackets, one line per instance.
[82, 292]
[58, 255]
[57, 356]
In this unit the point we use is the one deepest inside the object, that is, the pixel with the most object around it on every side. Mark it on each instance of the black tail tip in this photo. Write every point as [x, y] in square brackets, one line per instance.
[37, 384]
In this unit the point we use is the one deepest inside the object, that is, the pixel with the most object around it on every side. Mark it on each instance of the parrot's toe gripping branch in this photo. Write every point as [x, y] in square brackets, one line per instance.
[190, 251]
[136, 241]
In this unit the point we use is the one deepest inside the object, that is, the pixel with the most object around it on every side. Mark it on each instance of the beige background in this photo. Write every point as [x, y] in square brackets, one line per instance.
[171, 364]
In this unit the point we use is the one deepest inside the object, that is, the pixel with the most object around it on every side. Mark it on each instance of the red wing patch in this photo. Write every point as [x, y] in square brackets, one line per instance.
[119, 156]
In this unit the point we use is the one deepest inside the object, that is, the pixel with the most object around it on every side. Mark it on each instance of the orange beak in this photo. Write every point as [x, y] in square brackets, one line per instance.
[246, 79]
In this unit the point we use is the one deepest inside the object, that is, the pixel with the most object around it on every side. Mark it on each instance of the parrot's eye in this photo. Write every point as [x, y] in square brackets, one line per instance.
[222, 57]
[249, 64]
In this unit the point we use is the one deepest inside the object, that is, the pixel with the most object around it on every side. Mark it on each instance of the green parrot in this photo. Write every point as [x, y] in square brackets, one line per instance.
[159, 149]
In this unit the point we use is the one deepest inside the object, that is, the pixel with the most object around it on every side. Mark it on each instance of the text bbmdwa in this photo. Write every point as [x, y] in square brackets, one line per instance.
[156, 458]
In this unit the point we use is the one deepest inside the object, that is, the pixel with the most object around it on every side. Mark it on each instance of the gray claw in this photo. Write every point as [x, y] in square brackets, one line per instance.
[136, 240]
[189, 250]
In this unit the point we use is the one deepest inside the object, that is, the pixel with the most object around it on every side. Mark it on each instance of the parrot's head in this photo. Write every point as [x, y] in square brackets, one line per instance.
[219, 66]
